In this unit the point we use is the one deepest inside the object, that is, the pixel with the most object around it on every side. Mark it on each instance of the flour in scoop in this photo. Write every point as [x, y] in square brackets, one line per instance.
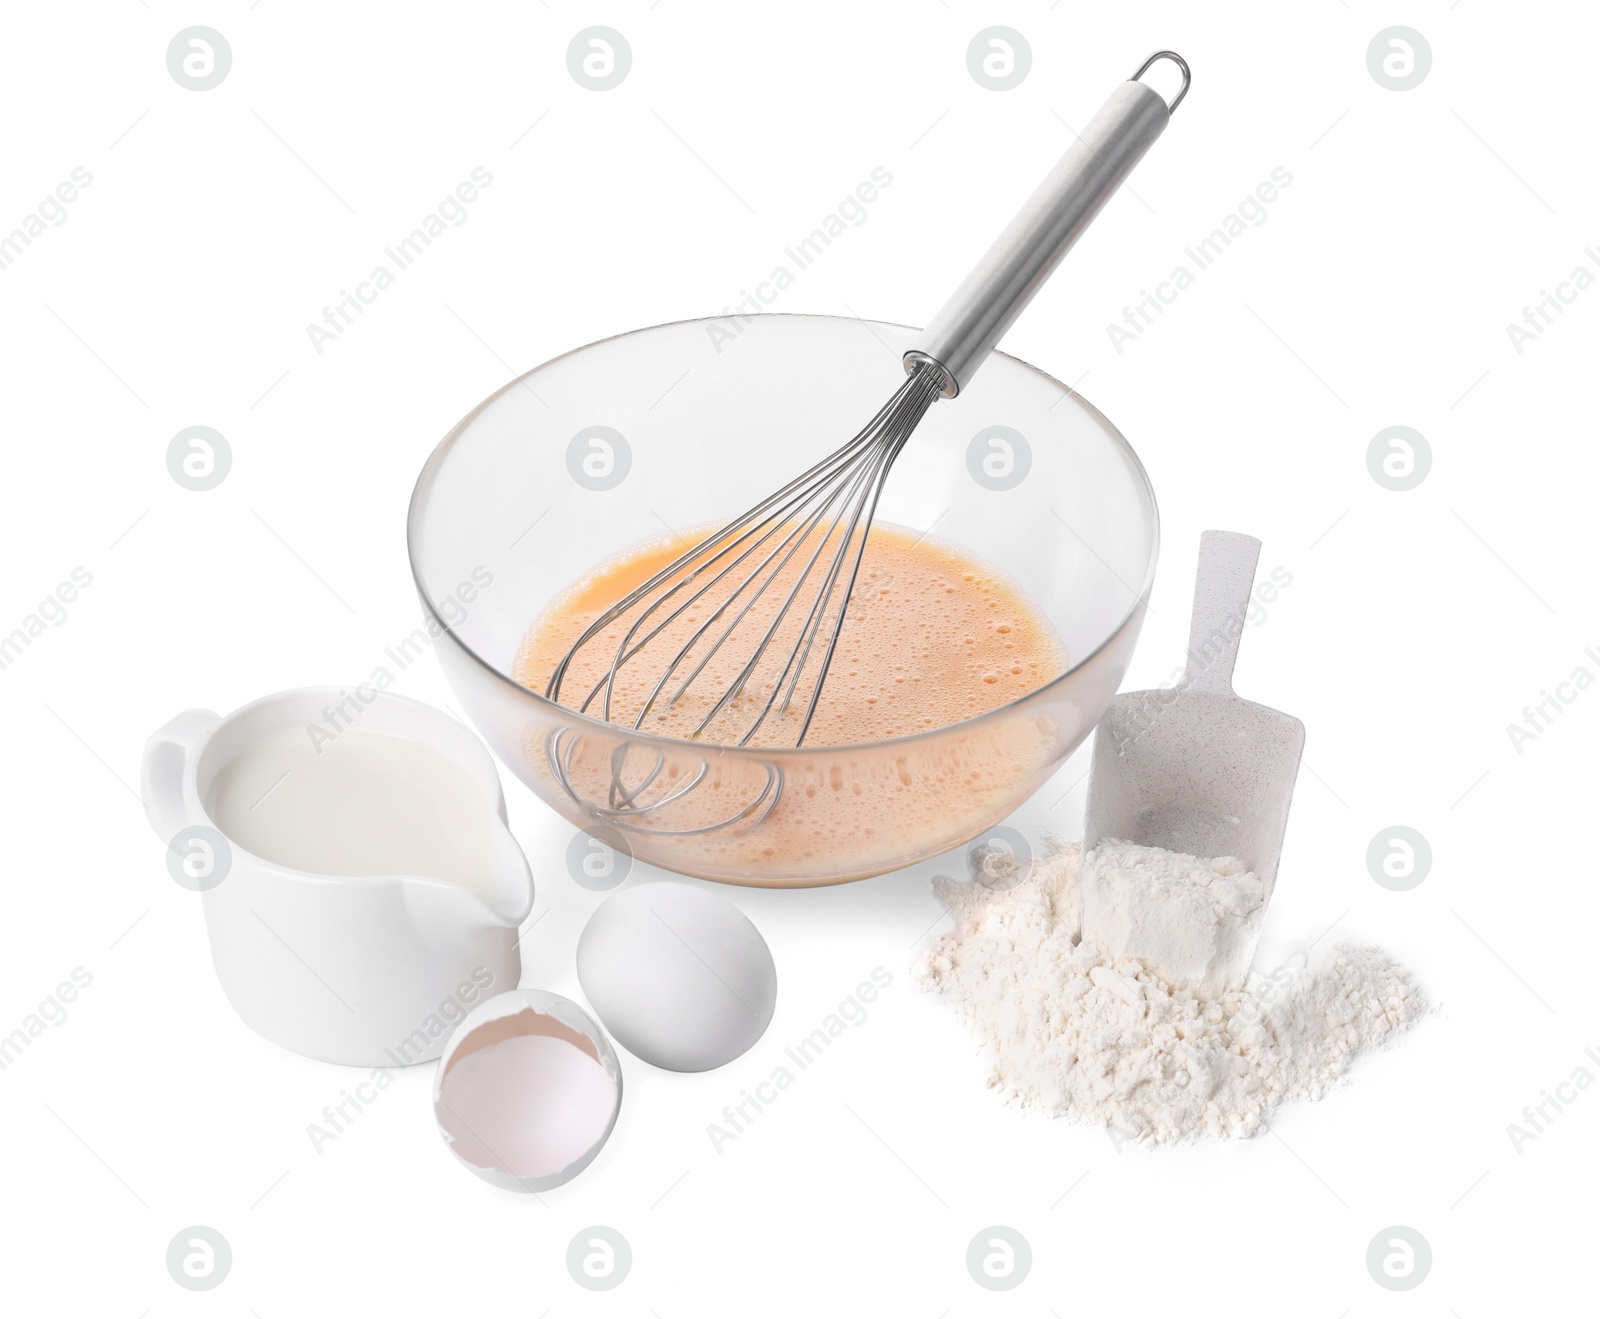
[1194, 919]
[1073, 1031]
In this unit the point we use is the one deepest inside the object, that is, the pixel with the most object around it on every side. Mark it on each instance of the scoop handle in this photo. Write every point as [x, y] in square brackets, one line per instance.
[1222, 584]
[1017, 264]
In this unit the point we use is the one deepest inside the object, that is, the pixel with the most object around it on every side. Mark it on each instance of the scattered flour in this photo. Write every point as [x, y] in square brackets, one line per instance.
[1072, 1031]
[1194, 920]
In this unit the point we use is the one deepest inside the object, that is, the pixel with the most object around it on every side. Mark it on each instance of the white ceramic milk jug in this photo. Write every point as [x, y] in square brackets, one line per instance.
[357, 969]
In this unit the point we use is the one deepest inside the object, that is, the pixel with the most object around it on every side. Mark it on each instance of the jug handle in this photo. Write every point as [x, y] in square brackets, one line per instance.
[166, 756]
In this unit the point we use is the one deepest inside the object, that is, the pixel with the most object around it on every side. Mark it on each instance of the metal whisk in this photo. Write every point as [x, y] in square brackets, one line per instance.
[803, 544]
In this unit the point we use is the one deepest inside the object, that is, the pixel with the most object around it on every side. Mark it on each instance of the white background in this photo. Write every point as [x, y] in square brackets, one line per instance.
[1418, 625]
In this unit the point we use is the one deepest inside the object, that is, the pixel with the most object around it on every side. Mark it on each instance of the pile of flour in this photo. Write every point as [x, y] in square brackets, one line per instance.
[1192, 918]
[1071, 1030]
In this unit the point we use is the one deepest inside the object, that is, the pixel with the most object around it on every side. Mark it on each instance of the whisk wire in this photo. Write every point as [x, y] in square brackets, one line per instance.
[794, 539]
[835, 461]
[869, 483]
[838, 456]
[855, 568]
[810, 533]
[848, 489]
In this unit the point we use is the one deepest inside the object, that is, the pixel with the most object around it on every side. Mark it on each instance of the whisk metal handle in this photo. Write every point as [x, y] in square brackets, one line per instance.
[1044, 230]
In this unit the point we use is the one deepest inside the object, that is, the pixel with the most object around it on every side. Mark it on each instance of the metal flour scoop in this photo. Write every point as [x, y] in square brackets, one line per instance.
[1194, 768]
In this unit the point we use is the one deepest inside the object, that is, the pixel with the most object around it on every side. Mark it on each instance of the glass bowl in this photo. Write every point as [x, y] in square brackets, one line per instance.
[688, 424]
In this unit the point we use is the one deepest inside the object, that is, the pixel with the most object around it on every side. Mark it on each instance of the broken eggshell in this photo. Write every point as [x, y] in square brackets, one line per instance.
[527, 1090]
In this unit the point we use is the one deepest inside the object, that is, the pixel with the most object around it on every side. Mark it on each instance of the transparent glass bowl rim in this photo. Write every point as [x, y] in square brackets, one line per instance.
[424, 485]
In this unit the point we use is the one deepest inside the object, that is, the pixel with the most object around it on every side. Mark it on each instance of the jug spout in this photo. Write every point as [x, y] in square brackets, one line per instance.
[440, 909]
[512, 895]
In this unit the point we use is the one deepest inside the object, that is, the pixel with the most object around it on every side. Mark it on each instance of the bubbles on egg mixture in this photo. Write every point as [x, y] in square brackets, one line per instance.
[932, 637]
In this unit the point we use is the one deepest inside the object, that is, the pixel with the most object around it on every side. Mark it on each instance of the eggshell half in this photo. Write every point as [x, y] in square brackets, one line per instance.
[527, 1091]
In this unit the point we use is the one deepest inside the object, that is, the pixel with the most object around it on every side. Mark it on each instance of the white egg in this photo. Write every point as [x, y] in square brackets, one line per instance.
[678, 975]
